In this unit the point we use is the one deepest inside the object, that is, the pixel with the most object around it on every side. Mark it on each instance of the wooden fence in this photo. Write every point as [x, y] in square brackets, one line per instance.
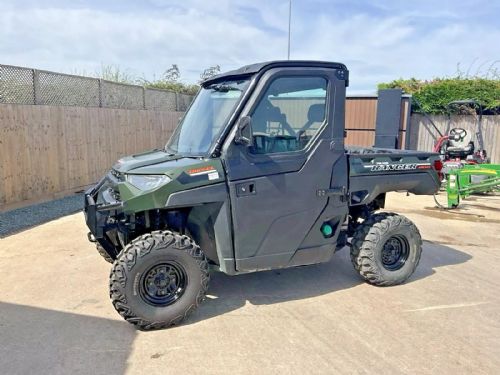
[423, 136]
[50, 151]
[46, 151]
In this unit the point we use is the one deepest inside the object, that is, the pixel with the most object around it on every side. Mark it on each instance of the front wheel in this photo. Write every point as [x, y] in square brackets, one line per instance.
[158, 280]
[386, 249]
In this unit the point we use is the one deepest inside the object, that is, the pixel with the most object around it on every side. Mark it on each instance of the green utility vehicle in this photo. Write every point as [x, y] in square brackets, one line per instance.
[255, 177]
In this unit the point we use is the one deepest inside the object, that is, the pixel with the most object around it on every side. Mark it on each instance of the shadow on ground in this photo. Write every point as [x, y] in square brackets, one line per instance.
[40, 341]
[36, 340]
[264, 288]
[20, 219]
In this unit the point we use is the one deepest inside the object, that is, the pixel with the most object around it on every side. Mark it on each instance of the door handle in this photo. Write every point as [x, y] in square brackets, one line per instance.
[245, 188]
[340, 191]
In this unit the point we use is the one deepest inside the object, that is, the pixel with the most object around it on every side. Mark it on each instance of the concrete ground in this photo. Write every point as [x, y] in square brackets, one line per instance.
[56, 317]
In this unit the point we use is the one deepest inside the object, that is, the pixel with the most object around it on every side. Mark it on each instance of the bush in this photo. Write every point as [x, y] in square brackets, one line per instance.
[170, 80]
[179, 87]
[433, 96]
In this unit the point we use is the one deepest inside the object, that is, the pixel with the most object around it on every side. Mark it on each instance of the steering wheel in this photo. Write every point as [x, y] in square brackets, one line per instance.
[461, 133]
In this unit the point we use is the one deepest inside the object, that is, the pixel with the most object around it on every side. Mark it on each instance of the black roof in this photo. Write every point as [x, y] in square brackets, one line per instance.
[255, 68]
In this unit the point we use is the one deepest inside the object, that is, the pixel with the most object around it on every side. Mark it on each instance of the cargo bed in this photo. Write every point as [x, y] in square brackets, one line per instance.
[369, 169]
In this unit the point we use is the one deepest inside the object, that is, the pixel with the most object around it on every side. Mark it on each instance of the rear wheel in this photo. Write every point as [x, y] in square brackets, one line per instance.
[386, 249]
[158, 280]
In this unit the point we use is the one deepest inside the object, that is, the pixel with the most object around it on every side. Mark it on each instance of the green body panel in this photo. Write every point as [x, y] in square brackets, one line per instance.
[185, 174]
[470, 179]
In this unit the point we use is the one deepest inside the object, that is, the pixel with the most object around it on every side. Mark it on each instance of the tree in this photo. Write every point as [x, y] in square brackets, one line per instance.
[209, 72]
[172, 74]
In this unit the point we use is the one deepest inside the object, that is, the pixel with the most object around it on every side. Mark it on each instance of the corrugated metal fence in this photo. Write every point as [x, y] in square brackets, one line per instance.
[360, 118]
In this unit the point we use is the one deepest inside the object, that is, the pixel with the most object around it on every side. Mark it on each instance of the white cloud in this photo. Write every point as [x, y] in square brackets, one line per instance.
[195, 34]
[147, 42]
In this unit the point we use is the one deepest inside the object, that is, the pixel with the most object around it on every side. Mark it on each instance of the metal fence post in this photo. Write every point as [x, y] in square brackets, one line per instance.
[177, 101]
[144, 97]
[36, 87]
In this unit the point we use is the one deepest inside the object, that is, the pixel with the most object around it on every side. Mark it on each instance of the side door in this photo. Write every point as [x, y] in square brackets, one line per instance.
[279, 186]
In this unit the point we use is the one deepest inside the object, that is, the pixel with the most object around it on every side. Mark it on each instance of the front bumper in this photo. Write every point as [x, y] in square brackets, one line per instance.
[100, 207]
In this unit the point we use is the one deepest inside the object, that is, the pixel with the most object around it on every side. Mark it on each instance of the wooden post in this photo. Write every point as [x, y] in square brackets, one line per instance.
[99, 85]
[36, 87]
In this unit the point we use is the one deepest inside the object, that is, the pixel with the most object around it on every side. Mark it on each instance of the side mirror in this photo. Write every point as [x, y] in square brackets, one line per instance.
[244, 132]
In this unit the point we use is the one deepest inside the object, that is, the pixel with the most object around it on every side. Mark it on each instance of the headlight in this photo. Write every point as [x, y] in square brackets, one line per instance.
[147, 182]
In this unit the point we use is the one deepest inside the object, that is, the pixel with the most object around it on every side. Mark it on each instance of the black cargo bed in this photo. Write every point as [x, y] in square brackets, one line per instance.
[374, 171]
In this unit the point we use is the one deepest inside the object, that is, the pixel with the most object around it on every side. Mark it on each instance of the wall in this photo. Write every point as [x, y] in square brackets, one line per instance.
[46, 150]
[423, 136]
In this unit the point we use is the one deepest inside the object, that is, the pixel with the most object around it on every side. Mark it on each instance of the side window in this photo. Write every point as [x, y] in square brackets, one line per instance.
[289, 114]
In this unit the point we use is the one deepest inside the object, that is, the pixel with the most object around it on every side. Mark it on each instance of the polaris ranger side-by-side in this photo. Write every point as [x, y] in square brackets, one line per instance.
[255, 177]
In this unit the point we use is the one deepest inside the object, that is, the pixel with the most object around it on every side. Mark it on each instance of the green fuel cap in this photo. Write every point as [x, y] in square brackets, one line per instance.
[327, 230]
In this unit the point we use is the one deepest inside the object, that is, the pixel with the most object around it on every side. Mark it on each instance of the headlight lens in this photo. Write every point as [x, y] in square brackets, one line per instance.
[147, 182]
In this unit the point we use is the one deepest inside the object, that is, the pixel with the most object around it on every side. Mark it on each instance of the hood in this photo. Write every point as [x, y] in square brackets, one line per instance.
[152, 162]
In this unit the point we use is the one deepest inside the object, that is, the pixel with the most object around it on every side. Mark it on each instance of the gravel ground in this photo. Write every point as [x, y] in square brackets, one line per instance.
[22, 218]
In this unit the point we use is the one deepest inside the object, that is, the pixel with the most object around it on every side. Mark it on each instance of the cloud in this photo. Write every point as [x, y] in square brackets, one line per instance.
[378, 43]
[147, 42]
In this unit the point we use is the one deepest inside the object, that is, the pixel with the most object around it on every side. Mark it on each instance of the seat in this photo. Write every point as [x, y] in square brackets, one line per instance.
[267, 113]
[267, 140]
[316, 113]
[459, 143]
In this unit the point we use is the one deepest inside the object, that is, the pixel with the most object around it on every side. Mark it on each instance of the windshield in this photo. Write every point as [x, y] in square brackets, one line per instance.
[206, 118]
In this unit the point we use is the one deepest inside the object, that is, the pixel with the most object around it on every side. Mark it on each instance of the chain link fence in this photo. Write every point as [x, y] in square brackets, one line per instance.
[31, 86]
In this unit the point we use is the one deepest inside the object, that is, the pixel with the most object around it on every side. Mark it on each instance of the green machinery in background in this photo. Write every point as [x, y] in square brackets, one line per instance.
[470, 179]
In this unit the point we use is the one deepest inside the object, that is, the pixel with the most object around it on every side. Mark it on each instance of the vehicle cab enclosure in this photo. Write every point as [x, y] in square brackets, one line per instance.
[256, 172]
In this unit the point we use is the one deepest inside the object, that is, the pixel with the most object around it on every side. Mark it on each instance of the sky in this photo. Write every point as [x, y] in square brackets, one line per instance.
[378, 40]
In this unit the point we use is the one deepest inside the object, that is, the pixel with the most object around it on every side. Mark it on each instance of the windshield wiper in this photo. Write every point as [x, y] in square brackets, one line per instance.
[192, 156]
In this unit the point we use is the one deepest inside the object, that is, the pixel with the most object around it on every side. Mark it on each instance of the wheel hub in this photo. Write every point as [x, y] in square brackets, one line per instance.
[395, 253]
[163, 284]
